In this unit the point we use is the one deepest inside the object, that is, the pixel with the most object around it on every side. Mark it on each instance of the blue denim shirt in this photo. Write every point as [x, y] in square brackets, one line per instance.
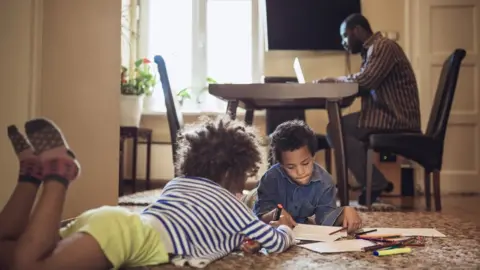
[317, 198]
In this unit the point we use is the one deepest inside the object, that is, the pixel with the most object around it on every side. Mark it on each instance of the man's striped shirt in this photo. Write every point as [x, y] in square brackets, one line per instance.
[206, 222]
[389, 92]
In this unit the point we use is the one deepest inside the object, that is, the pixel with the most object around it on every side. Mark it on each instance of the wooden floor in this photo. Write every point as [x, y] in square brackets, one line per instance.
[465, 207]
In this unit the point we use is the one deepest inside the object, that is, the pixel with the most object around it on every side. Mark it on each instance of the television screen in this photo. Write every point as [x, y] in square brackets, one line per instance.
[306, 24]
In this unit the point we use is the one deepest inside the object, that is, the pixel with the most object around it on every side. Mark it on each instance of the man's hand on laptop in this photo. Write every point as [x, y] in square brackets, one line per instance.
[326, 80]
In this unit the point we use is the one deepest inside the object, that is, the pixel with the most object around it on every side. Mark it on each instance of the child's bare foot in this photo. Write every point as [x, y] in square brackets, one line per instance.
[30, 168]
[57, 160]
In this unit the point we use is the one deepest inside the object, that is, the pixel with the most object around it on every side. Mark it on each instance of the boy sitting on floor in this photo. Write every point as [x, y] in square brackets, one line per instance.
[299, 184]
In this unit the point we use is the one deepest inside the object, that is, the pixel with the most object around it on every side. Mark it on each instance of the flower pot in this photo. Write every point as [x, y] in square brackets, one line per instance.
[131, 108]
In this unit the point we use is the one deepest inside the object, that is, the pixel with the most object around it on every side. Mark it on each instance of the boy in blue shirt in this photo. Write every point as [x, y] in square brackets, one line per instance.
[298, 183]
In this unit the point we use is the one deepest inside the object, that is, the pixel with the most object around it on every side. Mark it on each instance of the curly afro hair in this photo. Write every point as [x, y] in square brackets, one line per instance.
[290, 136]
[223, 150]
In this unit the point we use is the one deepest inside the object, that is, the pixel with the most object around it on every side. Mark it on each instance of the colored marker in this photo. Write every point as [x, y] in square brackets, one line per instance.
[339, 230]
[249, 241]
[374, 239]
[278, 212]
[381, 236]
[393, 251]
[365, 232]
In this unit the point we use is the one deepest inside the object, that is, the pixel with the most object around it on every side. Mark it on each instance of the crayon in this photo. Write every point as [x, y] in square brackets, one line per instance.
[278, 212]
[393, 251]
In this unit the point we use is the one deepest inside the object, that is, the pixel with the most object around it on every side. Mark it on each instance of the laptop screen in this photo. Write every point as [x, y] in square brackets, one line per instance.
[298, 70]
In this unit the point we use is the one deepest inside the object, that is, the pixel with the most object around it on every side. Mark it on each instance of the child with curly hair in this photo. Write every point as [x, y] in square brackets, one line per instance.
[197, 219]
[298, 183]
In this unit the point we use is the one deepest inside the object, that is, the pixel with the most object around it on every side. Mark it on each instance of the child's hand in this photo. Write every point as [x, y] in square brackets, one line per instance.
[351, 219]
[250, 246]
[289, 218]
[285, 219]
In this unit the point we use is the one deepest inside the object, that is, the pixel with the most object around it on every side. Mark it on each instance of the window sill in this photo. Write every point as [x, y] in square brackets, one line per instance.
[198, 112]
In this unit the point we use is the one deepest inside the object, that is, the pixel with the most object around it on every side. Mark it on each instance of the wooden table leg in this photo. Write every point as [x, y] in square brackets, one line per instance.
[134, 163]
[232, 109]
[121, 189]
[249, 117]
[149, 154]
[338, 140]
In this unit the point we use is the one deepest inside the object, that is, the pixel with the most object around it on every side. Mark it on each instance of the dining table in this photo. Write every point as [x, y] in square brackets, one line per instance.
[329, 96]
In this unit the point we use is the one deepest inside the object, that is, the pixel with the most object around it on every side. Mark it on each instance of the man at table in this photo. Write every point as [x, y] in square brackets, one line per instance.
[389, 96]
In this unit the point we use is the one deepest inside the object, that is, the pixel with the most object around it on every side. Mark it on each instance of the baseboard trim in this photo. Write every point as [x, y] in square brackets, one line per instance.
[160, 183]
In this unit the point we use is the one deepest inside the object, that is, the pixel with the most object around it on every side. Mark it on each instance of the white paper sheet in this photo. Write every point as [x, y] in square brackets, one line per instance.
[338, 246]
[317, 233]
[407, 232]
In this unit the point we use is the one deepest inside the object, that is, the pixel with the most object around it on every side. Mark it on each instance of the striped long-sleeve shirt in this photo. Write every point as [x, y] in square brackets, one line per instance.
[388, 87]
[206, 222]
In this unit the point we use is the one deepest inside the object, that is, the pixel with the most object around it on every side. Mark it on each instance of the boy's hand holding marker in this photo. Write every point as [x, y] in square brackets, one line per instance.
[282, 217]
[351, 220]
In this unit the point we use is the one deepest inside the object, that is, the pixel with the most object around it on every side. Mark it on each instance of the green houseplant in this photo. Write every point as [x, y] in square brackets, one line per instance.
[135, 84]
[186, 93]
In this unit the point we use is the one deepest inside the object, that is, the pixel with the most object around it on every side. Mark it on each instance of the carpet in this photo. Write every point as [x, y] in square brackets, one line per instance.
[460, 250]
[145, 198]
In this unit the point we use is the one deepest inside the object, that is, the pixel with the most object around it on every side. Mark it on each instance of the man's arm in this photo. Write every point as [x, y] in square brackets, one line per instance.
[380, 61]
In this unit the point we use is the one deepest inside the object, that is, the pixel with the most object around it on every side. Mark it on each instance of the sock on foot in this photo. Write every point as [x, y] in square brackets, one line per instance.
[58, 162]
[30, 168]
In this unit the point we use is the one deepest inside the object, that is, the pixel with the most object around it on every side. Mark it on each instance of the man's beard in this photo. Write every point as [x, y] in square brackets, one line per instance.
[356, 47]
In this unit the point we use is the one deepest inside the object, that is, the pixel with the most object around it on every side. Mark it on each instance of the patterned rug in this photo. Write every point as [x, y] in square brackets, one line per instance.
[459, 250]
[147, 197]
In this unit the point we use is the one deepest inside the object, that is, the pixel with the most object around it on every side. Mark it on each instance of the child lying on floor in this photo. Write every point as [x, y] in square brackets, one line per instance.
[299, 184]
[195, 221]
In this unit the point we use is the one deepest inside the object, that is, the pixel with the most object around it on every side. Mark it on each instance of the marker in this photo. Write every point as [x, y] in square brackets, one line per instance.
[380, 246]
[365, 232]
[400, 243]
[392, 251]
[339, 230]
[381, 236]
[278, 212]
[375, 239]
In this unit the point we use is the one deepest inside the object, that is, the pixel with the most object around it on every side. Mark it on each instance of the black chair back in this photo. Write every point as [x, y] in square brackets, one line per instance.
[275, 117]
[174, 114]
[442, 104]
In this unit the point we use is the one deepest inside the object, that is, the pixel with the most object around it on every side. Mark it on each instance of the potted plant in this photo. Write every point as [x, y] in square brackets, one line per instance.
[185, 93]
[134, 86]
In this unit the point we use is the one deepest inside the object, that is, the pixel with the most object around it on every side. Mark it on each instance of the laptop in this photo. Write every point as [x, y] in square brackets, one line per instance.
[298, 70]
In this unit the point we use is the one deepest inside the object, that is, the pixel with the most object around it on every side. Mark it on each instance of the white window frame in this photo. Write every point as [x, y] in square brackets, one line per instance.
[199, 44]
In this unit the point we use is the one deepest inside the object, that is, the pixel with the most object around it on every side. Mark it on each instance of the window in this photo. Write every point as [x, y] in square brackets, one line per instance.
[200, 39]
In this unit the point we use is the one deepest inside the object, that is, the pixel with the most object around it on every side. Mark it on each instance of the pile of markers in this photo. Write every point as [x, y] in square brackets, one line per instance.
[387, 244]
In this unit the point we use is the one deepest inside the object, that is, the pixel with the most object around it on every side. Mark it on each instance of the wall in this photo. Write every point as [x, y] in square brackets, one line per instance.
[75, 57]
[15, 75]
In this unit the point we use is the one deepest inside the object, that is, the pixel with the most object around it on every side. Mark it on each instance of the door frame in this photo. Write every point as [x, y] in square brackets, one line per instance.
[414, 46]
